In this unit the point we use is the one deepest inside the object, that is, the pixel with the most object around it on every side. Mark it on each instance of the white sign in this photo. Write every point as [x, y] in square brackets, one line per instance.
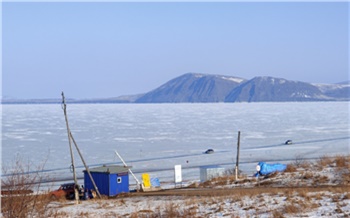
[178, 176]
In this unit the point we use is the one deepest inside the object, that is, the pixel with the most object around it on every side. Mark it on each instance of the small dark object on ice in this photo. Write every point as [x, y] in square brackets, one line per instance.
[288, 142]
[209, 151]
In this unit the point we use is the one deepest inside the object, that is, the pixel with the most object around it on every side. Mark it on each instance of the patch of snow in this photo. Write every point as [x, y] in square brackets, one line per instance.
[198, 75]
[300, 94]
[234, 79]
[281, 81]
[327, 87]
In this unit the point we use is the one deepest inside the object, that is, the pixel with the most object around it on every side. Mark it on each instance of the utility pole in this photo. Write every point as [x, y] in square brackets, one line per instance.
[76, 192]
[237, 160]
[86, 167]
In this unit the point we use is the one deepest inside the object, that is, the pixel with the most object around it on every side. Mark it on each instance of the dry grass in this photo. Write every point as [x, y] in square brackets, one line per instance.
[122, 201]
[299, 161]
[324, 161]
[345, 178]
[290, 208]
[56, 214]
[277, 214]
[307, 175]
[243, 181]
[171, 210]
[84, 214]
[20, 199]
[342, 161]
[319, 196]
[319, 180]
[291, 168]
[336, 198]
[305, 164]
[223, 180]
[304, 193]
[272, 175]
[145, 211]
[105, 205]
[338, 210]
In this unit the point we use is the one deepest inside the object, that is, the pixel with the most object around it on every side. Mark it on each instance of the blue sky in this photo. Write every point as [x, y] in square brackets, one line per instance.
[91, 50]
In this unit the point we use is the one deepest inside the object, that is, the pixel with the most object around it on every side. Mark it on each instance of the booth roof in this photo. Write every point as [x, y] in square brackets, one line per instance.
[110, 169]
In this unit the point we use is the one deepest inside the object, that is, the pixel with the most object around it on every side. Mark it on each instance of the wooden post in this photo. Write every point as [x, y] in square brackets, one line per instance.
[76, 192]
[237, 160]
[86, 167]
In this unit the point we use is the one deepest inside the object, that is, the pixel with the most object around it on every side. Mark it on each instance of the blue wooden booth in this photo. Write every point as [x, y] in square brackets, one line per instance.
[110, 180]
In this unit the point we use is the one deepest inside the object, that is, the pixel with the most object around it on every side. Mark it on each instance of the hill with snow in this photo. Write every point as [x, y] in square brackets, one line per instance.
[193, 87]
[197, 87]
[275, 89]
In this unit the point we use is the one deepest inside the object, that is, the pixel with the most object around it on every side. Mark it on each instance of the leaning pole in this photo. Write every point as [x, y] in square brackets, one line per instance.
[76, 192]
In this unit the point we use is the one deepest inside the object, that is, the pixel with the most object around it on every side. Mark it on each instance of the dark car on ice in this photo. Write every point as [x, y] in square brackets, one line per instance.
[209, 151]
[288, 142]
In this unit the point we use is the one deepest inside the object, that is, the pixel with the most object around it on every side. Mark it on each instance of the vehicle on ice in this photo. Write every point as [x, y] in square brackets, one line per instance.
[288, 142]
[209, 151]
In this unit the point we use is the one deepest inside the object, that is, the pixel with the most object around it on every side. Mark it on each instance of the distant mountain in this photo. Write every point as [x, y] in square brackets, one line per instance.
[196, 87]
[344, 83]
[275, 89]
[338, 91]
[193, 87]
[30, 101]
[120, 99]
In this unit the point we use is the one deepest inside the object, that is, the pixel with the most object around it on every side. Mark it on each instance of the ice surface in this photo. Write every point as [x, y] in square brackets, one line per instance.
[155, 137]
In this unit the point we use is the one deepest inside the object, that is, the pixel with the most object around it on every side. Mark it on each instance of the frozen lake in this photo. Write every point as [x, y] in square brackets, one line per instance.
[155, 137]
